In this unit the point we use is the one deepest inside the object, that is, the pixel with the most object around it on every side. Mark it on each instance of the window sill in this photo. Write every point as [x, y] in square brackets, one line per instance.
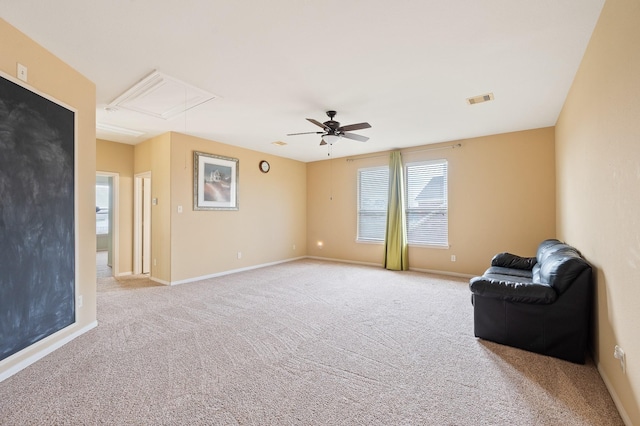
[427, 246]
[430, 246]
[369, 241]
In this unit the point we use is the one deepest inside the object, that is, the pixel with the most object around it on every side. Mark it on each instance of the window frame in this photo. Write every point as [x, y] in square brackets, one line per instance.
[359, 210]
[412, 210]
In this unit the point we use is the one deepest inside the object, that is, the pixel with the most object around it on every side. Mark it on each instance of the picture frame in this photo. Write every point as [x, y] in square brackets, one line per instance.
[215, 182]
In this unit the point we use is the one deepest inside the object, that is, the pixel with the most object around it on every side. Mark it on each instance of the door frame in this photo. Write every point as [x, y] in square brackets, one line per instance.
[137, 220]
[115, 215]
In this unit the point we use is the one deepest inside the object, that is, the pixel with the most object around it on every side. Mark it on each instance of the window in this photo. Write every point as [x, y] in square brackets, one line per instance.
[427, 205]
[426, 197]
[102, 209]
[373, 190]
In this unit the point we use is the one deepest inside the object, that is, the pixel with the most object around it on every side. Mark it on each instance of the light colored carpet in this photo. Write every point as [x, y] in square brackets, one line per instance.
[103, 270]
[301, 343]
[130, 282]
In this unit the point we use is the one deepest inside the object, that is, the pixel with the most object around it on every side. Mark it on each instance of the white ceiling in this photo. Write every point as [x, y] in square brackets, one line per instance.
[406, 67]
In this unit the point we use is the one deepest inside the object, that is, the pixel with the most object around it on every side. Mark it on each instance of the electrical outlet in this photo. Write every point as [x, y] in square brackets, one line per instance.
[239, 255]
[80, 301]
[179, 209]
[618, 354]
[453, 257]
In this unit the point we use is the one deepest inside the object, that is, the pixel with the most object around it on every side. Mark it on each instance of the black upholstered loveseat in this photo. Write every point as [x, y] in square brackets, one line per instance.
[541, 304]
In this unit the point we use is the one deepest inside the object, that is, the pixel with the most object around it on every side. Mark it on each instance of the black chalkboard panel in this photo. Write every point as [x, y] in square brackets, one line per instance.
[37, 239]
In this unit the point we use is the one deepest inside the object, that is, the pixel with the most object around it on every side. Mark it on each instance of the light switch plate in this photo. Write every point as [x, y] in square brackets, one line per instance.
[22, 72]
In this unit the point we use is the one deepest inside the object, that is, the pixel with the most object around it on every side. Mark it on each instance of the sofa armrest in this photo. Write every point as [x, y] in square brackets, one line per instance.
[508, 260]
[513, 291]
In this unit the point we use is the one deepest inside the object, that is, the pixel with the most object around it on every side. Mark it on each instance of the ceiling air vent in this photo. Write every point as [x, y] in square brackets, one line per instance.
[161, 96]
[480, 99]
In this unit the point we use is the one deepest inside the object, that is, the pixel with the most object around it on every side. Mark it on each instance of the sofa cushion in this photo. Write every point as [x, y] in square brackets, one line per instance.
[513, 261]
[499, 270]
[507, 277]
[554, 249]
[545, 246]
[535, 273]
[560, 269]
[504, 288]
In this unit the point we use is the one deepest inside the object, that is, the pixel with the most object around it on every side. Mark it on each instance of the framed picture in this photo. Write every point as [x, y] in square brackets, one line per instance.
[38, 225]
[215, 182]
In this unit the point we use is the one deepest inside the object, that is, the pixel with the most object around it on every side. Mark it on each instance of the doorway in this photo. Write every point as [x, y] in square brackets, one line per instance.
[107, 188]
[142, 224]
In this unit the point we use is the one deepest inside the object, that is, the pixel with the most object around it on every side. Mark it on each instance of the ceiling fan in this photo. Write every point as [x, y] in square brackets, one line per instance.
[332, 131]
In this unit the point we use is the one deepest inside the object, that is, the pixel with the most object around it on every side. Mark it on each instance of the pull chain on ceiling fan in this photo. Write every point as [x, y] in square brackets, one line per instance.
[332, 131]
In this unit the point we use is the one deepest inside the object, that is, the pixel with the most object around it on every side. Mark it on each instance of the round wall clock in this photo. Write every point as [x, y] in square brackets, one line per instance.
[264, 166]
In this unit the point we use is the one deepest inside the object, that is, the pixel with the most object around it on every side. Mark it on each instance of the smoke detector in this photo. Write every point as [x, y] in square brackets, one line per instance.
[479, 99]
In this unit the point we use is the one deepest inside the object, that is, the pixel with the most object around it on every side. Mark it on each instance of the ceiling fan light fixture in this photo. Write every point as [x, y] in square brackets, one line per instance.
[331, 139]
[332, 131]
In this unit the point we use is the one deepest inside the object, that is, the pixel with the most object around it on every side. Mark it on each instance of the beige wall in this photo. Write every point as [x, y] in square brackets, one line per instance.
[142, 157]
[598, 188]
[501, 198]
[116, 157]
[48, 75]
[271, 218]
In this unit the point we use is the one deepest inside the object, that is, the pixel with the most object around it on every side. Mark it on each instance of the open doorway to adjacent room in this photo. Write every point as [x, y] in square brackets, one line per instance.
[106, 224]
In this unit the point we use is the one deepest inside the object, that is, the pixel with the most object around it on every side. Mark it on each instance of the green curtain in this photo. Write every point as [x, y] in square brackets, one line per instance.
[395, 254]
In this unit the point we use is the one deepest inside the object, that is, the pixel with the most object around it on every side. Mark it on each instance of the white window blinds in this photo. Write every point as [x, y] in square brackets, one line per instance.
[427, 204]
[373, 189]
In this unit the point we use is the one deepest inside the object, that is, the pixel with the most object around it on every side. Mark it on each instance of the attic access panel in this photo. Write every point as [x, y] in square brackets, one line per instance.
[161, 96]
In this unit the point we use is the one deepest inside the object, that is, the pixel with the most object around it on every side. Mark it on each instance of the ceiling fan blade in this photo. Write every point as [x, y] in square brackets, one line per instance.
[305, 133]
[358, 126]
[355, 137]
[317, 123]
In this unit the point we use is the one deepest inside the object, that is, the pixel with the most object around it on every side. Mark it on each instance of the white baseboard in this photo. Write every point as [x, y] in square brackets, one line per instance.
[355, 262]
[434, 271]
[44, 352]
[159, 281]
[263, 265]
[428, 271]
[125, 274]
[616, 400]
[230, 271]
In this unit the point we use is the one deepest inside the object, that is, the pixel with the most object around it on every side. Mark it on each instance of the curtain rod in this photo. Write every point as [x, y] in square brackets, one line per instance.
[458, 145]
